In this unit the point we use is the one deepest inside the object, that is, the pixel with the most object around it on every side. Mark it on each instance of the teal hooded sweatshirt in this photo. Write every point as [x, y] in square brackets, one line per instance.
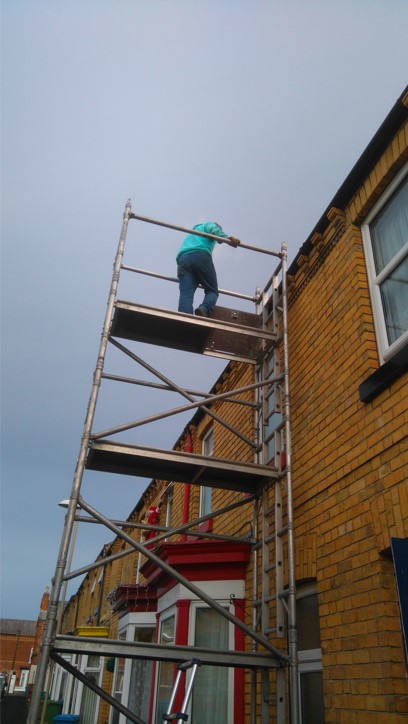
[200, 243]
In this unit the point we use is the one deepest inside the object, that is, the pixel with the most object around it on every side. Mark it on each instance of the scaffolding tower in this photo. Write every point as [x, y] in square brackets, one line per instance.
[259, 339]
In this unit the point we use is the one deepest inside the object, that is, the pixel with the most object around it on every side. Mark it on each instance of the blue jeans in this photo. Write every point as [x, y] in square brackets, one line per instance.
[193, 269]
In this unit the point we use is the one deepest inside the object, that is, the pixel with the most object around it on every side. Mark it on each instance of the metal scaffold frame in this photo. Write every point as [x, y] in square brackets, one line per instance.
[260, 340]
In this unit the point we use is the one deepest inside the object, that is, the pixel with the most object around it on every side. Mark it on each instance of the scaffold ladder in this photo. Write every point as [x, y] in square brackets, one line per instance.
[276, 607]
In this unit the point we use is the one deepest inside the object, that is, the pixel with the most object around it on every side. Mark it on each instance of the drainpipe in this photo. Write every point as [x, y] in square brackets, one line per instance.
[187, 488]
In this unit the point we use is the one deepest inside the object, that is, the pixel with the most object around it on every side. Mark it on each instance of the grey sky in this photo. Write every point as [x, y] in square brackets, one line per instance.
[250, 113]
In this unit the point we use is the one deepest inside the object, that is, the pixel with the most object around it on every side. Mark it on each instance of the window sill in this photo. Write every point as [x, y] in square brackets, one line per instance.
[382, 378]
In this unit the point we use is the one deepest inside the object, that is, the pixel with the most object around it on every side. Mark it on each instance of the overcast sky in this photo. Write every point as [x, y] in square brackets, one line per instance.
[247, 112]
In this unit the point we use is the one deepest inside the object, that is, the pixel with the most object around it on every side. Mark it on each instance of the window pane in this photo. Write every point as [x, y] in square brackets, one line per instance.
[208, 444]
[141, 677]
[207, 448]
[93, 662]
[394, 295]
[308, 622]
[144, 634]
[166, 669]
[210, 690]
[89, 700]
[205, 501]
[118, 689]
[389, 231]
[311, 694]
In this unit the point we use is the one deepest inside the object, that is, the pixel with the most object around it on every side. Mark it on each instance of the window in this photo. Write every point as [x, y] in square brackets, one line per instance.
[88, 713]
[133, 677]
[141, 677]
[385, 237]
[210, 690]
[166, 669]
[118, 681]
[310, 656]
[207, 448]
[399, 548]
[169, 507]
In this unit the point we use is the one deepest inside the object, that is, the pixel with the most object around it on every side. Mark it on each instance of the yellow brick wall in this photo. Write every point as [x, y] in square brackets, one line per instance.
[350, 463]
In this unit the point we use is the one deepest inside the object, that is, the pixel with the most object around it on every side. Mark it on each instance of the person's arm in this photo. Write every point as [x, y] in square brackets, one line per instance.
[213, 228]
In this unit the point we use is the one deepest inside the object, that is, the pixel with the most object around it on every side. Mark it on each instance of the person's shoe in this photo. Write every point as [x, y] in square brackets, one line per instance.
[201, 312]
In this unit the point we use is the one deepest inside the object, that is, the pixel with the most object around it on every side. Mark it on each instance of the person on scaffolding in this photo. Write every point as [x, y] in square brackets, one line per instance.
[195, 266]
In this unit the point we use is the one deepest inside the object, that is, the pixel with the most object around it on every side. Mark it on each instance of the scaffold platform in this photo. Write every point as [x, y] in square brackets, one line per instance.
[228, 333]
[120, 458]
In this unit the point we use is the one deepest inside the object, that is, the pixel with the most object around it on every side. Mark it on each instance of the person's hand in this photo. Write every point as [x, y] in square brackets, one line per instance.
[234, 241]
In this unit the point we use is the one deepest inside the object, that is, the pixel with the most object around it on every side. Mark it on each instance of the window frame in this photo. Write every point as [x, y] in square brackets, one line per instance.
[385, 349]
[164, 616]
[198, 604]
[80, 689]
[205, 501]
[309, 660]
[127, 633]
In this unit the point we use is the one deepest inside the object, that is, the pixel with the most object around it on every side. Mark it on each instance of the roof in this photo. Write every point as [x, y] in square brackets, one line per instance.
[15, 626]
[394, 120]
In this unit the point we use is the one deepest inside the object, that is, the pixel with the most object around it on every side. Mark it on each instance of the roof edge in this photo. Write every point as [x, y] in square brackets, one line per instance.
[366, 162]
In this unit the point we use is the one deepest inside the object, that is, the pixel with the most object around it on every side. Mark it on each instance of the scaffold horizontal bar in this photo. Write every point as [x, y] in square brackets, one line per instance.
[177, 410]
[186, 230]
[185, 528]
[167, 652]
[169, 388]
[156, 275]
[88, 682]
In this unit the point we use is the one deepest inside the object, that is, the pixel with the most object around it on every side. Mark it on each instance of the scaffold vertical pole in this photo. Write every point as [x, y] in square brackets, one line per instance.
[51, 621]
[292, 630]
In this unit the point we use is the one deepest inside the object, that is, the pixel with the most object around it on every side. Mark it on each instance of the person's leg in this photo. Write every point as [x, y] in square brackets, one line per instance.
[187, 284]
[205, 271]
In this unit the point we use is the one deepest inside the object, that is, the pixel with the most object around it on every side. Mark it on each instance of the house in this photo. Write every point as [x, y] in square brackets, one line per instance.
[348, 364]
[16, 647]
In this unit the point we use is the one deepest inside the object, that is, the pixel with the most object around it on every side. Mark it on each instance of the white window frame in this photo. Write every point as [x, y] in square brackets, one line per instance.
[71, 685]
[169, 613]
[79, 688]
[309, 660]
[60, 681]
[385, 350]
[127, 633]
[194, 605]
[206, 492]
[122, 636]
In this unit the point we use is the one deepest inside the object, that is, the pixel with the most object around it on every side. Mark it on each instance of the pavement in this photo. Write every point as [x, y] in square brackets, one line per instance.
[13, 709]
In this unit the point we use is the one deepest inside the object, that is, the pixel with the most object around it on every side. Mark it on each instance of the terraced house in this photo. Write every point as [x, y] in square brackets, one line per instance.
[260, 577]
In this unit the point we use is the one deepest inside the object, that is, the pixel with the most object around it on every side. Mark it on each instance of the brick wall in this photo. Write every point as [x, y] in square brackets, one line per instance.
[15, 652]
[349, 466]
